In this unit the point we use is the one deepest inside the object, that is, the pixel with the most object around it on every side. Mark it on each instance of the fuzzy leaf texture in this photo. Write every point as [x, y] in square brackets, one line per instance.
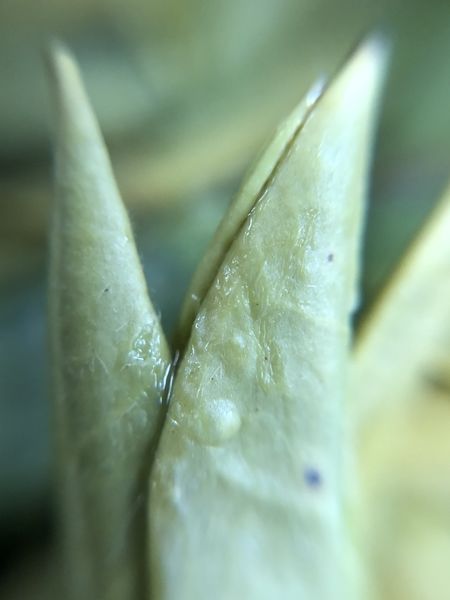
[237, 213]
[109, 356]
[247, 496]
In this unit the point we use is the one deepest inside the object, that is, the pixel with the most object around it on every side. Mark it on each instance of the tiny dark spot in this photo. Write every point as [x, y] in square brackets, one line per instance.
[312, 477]
[330, 257]
[265, 358]
[106, 289]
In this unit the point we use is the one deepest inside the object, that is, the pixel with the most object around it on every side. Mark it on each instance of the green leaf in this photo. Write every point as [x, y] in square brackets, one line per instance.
[110, 359]
[254, 186]
[247, 492]
[401, 394]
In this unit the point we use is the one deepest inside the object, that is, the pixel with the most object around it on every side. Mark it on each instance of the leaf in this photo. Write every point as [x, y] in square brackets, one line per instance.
[110, 359]
[401, 389]
[252, 189]
[247, 490]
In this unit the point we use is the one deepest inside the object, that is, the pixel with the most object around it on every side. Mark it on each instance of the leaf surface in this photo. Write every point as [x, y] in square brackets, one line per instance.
[401, 395]
[254, 186]
[110, 359]
[247, 492]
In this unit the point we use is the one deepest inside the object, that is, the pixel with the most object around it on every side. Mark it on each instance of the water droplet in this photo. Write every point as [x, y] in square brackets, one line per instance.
[218, 421]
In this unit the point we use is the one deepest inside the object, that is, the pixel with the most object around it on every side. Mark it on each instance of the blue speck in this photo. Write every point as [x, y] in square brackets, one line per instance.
[312, 477]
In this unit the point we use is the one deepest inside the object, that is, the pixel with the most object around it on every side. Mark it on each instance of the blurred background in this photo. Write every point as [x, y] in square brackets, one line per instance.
[186, 92]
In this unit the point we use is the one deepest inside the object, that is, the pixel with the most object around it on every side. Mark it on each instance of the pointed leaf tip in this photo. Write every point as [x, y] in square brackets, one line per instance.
[251, 468]
[357, 85]
[109, 357]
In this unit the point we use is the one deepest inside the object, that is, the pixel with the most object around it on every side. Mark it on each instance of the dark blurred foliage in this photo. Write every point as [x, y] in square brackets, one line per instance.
[186, 92]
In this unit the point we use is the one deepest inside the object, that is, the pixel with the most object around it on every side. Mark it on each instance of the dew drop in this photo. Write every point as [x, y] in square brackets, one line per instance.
[218, 421]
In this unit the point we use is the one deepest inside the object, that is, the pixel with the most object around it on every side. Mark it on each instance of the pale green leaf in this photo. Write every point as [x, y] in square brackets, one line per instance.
[401, 404]
[109, 356]
[247, 493]
[254, 186]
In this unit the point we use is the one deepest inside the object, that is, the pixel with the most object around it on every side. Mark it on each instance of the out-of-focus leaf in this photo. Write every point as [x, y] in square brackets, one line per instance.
[401, 391]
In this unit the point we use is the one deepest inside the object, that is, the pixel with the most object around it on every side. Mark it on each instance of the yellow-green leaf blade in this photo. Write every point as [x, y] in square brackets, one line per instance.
[401, 389]
[109, 357]
[253, 187]
[247, 495]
